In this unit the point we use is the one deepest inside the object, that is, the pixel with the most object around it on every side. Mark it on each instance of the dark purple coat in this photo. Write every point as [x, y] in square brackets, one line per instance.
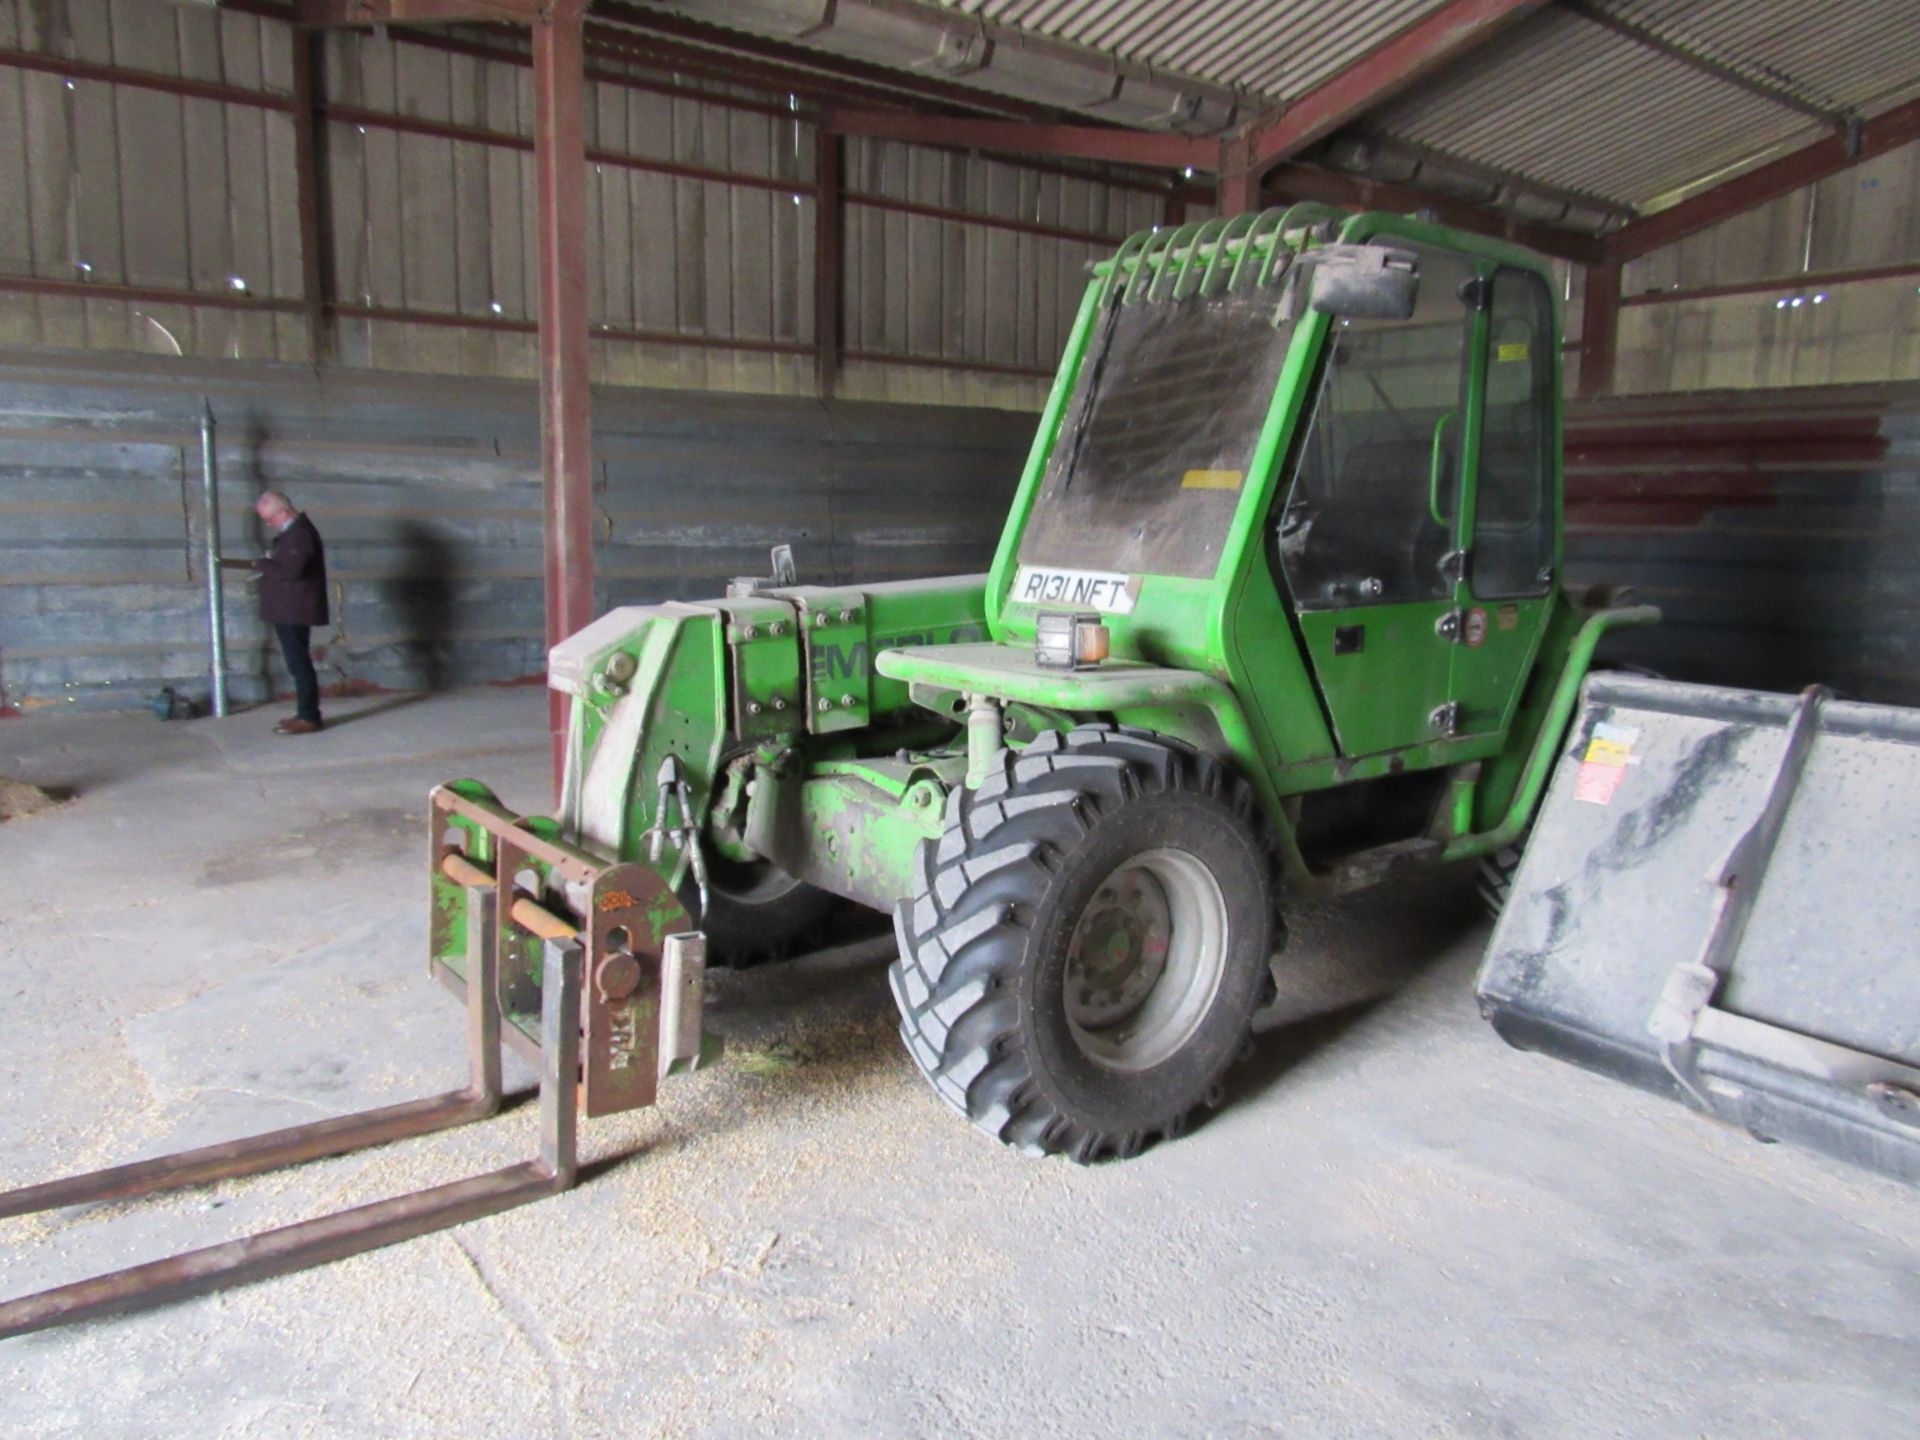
[293, 577]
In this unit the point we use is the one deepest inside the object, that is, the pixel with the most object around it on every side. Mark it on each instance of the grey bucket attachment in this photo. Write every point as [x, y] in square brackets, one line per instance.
[1720, 902]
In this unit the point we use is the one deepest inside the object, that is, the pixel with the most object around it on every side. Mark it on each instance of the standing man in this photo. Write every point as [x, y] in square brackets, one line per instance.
[293, 599]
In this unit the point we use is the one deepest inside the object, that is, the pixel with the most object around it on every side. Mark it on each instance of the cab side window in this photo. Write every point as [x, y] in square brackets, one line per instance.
[1370, 512]
[1513, 504]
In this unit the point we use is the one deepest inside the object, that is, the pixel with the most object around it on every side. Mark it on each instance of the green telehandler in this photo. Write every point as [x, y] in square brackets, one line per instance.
[1277, 609]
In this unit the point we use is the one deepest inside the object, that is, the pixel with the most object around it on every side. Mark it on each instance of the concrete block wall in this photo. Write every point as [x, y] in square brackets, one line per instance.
[1775, 529]
[427, 492]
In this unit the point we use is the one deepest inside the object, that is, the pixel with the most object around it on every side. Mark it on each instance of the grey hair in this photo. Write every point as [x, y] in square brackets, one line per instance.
[273, 500]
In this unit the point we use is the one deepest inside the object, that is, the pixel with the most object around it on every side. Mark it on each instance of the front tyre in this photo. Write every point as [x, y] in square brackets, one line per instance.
[1089, 942]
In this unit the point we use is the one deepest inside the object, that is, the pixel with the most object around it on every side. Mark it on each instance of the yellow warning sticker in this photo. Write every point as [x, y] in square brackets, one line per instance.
[1513, 350]
[1604, 767]
[1607, 752]
[1212, 479]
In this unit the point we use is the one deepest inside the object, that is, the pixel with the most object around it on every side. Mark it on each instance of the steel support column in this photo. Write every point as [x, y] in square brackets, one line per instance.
[1599, 328]
[1240, 190]
[309, 179]
[566, 418]
[829, 219]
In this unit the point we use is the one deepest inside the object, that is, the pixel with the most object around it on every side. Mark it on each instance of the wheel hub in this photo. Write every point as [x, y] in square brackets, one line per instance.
[1119, 948]
[1145, 960]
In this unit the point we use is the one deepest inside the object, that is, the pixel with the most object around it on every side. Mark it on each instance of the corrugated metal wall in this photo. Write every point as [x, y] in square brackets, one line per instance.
[700, 216]
[698, 281]
[1865, 218]
[427, 493]
[1775, 529]
[111, 184]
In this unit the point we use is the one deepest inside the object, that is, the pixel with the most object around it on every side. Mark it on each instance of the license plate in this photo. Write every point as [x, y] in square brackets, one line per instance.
[1082, 589]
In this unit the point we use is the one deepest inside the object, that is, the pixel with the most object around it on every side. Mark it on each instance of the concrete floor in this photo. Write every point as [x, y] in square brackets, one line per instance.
[1397, 1227]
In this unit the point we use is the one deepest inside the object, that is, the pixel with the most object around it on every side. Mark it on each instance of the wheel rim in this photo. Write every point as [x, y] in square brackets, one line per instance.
[1145, 960]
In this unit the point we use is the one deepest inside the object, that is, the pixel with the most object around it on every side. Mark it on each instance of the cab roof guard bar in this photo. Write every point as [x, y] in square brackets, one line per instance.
[1210, 257]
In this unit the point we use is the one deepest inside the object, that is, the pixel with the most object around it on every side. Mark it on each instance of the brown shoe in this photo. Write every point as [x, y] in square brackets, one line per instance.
[297, 726]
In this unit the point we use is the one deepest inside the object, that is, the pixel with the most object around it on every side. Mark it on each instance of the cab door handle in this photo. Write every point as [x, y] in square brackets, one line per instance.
[1434, 469]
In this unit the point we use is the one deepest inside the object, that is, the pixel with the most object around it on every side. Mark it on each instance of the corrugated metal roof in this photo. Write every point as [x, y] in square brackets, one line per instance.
[1571, 101]
[1845, 56]
[1567, 101]
[1275, 49]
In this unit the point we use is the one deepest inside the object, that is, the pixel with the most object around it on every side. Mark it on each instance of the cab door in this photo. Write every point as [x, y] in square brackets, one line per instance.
[1367, 532]
[1510, 511]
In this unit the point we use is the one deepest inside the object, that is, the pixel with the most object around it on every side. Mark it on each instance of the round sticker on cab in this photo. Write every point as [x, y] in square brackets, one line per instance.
[1476, 627]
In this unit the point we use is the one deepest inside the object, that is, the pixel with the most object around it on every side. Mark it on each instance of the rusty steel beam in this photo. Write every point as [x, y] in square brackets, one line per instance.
[566, 416]
[1806, 166]
[829, 227]
[400, 315]
[500, 139]
[326, 13]
[601, 74]
[611, 42]
[1241, 188]
[869, 201]
[1800, 280]
[1082, 142]
[1297, 181]
[143, 80]
[309, 183]
[1599, 329]
[654, 54]
[148, 294]
[943, 362]
[926, 88]
[1438, 38]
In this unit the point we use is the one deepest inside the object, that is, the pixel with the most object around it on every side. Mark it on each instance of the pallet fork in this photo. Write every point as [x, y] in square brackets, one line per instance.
[615, 992]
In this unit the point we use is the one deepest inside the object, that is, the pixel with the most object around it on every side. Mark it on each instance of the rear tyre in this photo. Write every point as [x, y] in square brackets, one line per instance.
[756, 912]
[1090, 940]
[1497, 870]
[1496, 875]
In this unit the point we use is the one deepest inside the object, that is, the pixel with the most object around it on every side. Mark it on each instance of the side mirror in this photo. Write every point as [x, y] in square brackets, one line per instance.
[1363, 282]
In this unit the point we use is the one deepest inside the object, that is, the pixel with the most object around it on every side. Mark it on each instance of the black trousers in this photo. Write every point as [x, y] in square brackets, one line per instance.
[294, 640]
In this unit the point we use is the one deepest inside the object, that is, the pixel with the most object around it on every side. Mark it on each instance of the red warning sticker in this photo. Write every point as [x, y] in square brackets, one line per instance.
[1609, 753]
[1596, 783]
[1475, 628]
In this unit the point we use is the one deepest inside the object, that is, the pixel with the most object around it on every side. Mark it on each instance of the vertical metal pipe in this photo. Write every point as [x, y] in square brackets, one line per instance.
[216, 601]
[1813, 215]
[566, 419]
